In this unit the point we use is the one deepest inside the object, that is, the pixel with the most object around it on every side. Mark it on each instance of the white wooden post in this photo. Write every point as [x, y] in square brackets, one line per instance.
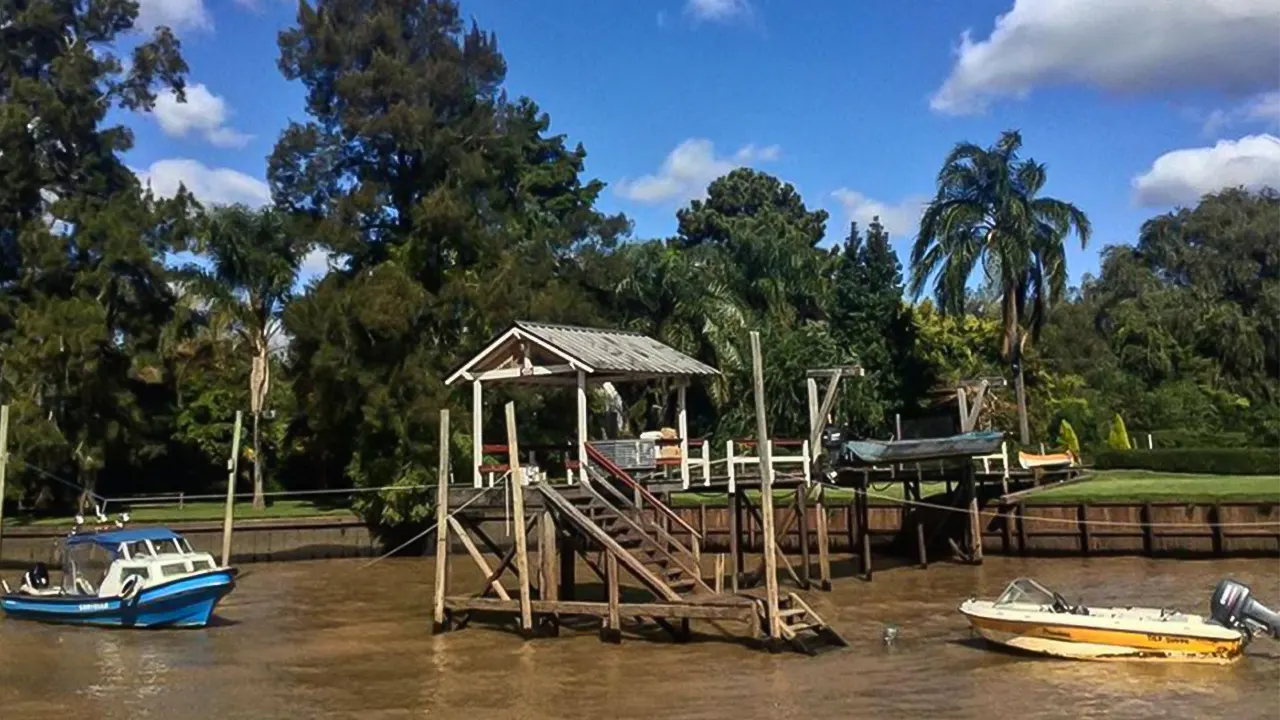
[682, 426]
[1150, 443]
[730, 462]
[477, 434]
[706, 464]
[582, 426]
[808, 472]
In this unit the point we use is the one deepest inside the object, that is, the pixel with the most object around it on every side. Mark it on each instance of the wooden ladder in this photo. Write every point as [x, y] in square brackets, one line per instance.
[802, 627]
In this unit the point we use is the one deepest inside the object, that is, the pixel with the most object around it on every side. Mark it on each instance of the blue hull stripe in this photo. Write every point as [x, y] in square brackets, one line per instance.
[184, 602]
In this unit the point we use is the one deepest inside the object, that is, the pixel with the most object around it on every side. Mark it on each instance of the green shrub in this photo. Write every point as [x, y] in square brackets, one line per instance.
[1200, 439]
[1067, 438]
[1212, 461]
[1118, 438]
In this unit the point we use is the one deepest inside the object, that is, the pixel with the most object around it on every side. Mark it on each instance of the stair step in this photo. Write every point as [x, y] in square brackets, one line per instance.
[791, 612]
[801, 627]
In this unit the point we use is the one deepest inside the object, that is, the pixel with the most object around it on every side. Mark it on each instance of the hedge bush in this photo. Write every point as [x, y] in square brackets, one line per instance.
[1212, 461]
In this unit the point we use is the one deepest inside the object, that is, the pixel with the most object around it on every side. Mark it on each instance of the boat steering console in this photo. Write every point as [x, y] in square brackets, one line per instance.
[1233, 606]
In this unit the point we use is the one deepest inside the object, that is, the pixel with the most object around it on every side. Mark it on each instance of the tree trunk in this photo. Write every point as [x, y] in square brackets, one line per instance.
[1024, 427]
[259, 501]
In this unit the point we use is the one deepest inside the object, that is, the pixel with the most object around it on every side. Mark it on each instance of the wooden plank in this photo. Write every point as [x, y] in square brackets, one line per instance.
[477, 557]
[824, 541]
[802, 514]
[719, 569]
[1082, 518]
[735, 534]
[1022, 528]
[1148, 534]
[691, 611]
[612, 631]
[516, 482]
[233, 468]
[547, 582]
[439, 622]
[766, 489]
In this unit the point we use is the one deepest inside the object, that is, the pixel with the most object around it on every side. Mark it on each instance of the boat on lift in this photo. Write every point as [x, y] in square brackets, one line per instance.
[123, 577]
[1028, 616]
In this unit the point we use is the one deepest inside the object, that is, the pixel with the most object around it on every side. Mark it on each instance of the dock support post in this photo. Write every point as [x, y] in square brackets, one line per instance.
[568, 580]
[824, 541]
[4, 466]
[975, 520]
[548, 580]
[582, 426]
[233, 469]
[439, 621]
[864, 526]
[516, 483]
[477, 432]
[719, 580]
[611, 632]
[802, 507]
[735, 539]
[1082, 515]
[766, 492]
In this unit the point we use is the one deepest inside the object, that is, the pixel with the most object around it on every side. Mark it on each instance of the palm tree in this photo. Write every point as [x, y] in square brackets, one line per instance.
[254, 265]
[987, 212]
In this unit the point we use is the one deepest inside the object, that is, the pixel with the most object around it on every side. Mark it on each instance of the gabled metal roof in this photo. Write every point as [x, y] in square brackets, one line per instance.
[595, 351]
[619, 351]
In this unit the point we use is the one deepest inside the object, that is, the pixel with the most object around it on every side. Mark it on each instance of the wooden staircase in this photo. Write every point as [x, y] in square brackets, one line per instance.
[633, 530]
[802, 627]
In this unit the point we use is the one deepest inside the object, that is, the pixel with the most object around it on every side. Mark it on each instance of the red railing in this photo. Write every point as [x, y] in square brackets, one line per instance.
[608, 465]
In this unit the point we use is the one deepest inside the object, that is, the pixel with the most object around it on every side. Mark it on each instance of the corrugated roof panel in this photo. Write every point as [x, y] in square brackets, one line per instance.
[617, 350]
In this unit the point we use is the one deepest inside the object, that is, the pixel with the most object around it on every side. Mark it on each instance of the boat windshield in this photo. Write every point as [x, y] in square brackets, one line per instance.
[1025, 591]
[85, 567]
[167, 547]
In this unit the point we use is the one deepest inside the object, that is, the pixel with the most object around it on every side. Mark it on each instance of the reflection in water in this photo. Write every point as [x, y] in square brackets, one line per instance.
[327, 639]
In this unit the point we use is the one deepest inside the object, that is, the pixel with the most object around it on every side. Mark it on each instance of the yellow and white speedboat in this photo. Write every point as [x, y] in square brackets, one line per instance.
[1030, 617]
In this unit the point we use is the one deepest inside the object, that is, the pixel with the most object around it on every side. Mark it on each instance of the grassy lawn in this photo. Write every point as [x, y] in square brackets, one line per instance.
[202, 512]
[1139, 486]
[834, 496]
[1120, 486]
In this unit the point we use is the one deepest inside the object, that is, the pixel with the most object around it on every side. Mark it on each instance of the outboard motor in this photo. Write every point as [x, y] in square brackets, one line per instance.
[1233, 606]
[832, 443]
[37, 578]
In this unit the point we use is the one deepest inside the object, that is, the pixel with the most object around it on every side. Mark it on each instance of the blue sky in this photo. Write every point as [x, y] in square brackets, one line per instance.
[1135, 106]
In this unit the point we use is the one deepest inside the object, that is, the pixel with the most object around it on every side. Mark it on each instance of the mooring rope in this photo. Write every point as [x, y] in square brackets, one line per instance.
[1065, 521]
[501, 479]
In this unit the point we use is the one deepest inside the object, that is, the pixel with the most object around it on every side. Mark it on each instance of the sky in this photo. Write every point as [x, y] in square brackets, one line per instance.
[1136, 106]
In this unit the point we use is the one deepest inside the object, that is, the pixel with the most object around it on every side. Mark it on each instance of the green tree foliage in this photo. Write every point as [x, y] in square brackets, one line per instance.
[1118, 438]
[81, 243]
[255, 257]
[1067, 438]
[988, 212]
[450, 210]
[454, 210]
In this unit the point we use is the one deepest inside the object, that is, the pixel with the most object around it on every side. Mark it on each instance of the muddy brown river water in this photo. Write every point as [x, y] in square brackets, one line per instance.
[327, 639]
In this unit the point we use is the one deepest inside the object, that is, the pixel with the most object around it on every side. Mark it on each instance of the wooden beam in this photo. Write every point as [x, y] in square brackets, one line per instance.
[439, 622]
[521, 372]
[548, 580]
[477, 432]
[849, 370]
[477, 557]
[828, 402]
[824, 540]
[582, 426]
[233, 469]
[742, 612]
[516, 483]
[766, 490]
[612, 630]
[682, 427]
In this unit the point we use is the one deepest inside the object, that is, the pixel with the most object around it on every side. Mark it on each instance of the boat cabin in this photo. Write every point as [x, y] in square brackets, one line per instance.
[100, 563]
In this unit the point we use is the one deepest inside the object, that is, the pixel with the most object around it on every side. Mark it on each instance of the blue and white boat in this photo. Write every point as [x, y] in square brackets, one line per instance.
[136, 578]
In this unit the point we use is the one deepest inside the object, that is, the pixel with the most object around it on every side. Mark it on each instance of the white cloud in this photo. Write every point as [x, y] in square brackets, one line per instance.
[203, 113]
[1181, 177]
[213, 186]
[687, 170]
[718, 10]
[1261, 109]
[178, 15]
[1119, 45]
[901, 220]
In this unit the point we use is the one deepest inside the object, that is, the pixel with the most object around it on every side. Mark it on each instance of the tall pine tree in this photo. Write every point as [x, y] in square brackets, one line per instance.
[81, 244]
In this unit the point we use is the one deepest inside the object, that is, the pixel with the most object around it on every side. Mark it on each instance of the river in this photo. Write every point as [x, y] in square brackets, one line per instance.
[328, 639]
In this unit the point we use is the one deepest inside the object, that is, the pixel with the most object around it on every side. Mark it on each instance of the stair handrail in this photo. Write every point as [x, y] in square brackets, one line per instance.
[612, 468]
